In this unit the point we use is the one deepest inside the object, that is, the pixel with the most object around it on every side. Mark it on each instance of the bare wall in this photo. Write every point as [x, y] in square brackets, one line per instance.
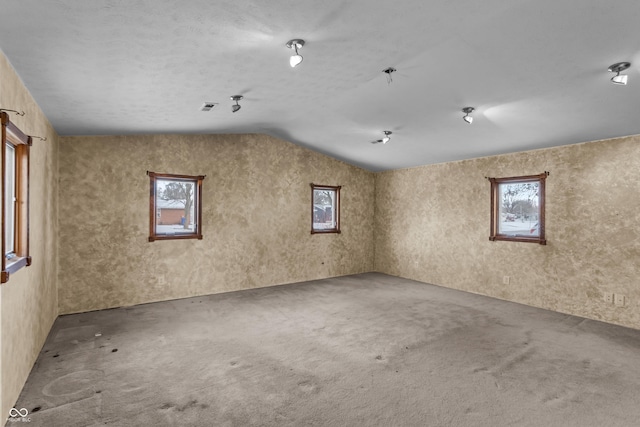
[28, 301]
[432, 225]
[256, 218]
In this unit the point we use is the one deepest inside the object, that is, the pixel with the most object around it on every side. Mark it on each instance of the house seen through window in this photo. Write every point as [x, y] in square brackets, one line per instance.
[176, 211]
[517, 208]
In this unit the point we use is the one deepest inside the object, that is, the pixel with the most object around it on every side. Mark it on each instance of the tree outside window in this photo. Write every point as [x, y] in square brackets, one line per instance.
[325, 209]
[517, 208]
[175, 206]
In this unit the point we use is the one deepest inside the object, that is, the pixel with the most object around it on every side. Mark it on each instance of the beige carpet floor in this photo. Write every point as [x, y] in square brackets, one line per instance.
[362, 350]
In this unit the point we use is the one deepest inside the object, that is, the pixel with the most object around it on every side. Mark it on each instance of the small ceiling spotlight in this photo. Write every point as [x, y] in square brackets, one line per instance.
[295, 44]
[388, 72]
[616, 68]
[235, 108]
[385, 139]
[467, 118]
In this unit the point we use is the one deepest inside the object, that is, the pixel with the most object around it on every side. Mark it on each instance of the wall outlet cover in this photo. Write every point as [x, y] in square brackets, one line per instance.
[608, 297]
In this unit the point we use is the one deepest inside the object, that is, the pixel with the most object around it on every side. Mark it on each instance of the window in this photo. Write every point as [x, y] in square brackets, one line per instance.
[325, 209]
[517, 208]
[175, 207]
[15, 198]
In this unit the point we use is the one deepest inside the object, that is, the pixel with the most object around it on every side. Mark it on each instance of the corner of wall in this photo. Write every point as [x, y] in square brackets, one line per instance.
[28, 301]
[438, 233]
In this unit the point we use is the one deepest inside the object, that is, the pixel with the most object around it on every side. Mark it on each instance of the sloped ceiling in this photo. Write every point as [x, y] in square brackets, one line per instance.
[535, 71]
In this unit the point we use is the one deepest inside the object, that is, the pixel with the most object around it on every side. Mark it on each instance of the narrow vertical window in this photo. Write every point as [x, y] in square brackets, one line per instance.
[175, 207]
[15, 198]
[325, 209]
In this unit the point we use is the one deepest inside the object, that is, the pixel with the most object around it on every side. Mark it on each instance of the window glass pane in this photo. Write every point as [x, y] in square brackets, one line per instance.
[10, 199]
[519, 209]
[175, 206]
[324, 209]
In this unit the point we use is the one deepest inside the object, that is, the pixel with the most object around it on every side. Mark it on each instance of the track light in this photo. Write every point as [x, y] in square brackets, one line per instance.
[388, 72]
[467, 118]
[297, 58]
[236, 107]
[384, 139]
[616, 68]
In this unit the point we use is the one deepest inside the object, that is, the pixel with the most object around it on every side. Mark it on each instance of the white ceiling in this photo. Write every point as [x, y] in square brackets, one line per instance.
[535, 70]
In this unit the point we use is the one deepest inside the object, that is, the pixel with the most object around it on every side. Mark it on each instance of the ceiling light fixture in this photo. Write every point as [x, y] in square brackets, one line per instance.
[295, 44]
[616, 68]
[467, 118]
[385, 139]
[388, 72]
[235, 108]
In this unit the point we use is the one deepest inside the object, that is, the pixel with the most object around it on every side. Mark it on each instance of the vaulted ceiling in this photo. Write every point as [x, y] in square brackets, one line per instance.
[534, 70]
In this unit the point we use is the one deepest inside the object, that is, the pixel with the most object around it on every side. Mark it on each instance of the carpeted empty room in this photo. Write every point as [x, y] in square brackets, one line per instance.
[366, 349]
[354, 213]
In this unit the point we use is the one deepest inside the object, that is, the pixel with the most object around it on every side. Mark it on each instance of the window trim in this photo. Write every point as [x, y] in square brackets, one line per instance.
[335, 229]
[197, 179]
[21, 142]
[495, 208]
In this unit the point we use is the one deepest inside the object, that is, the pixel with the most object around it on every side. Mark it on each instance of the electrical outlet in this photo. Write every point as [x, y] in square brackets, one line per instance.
[160, 280]
[608, 297]
[506, 280]
[619, 300]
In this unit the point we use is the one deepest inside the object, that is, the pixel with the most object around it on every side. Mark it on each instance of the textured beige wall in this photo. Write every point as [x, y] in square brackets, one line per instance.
[256, 218]
[28, 301]
[432, 225]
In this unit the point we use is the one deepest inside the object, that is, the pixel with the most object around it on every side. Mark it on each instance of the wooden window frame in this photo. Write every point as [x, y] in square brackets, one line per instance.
[335, 229]
[495, 208]
[197, 180]
[21, 143]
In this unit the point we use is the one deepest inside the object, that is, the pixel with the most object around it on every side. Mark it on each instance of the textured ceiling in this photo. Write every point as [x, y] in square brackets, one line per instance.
[535, 70]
